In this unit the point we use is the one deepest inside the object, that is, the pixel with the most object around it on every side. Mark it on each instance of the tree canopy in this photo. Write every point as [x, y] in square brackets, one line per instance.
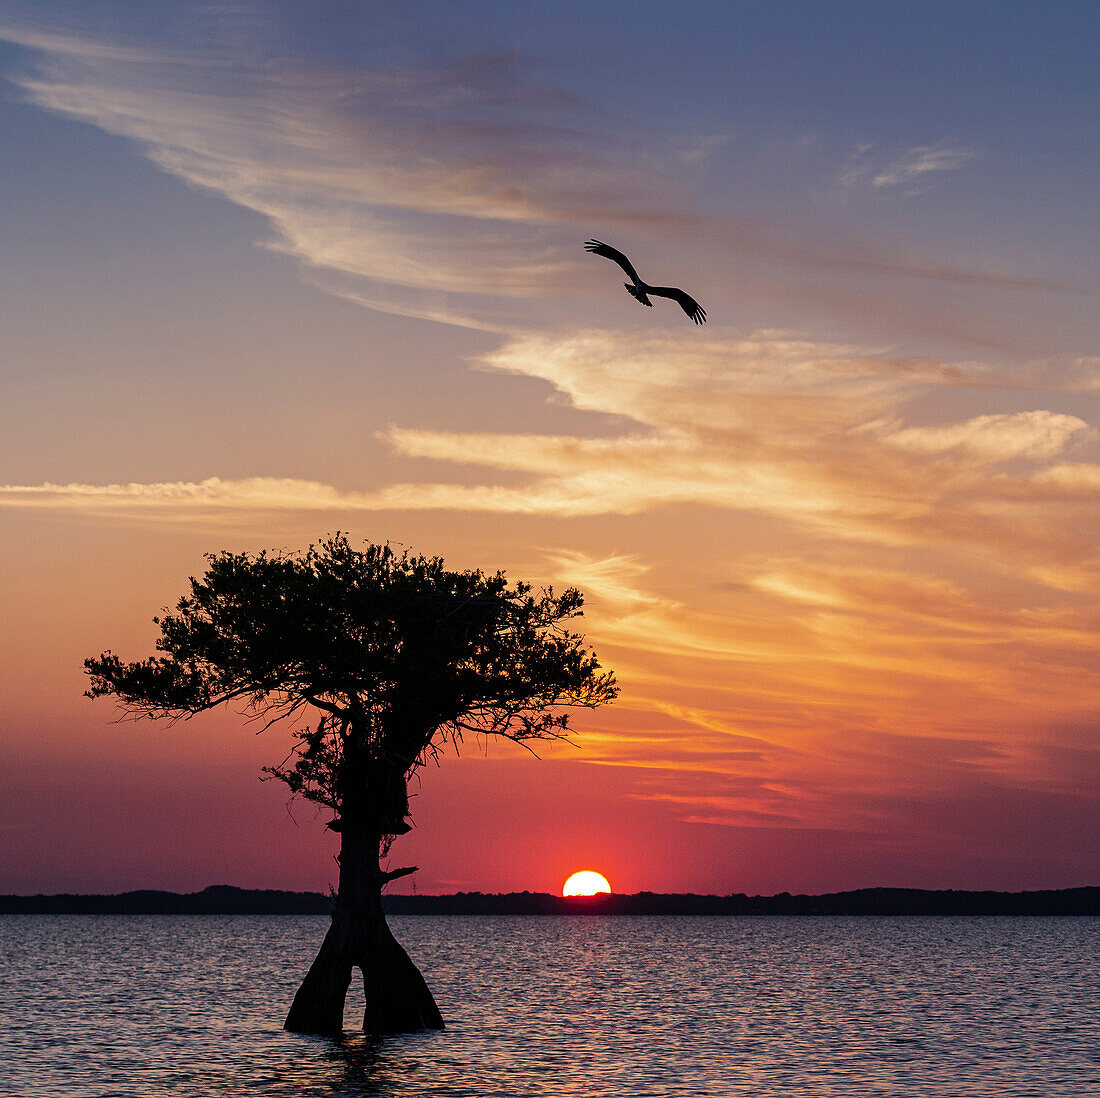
[397, 653]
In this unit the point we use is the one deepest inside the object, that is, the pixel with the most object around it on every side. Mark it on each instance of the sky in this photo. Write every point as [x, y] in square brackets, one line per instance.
[272, 270]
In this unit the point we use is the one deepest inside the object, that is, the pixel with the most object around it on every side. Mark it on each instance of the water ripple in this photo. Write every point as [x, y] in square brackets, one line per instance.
[187, 1006]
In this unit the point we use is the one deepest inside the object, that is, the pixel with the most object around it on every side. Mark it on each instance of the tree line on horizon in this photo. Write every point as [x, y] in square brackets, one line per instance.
[228, 900]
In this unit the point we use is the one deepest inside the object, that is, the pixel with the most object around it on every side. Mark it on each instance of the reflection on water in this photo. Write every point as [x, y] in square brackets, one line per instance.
[191, 1006]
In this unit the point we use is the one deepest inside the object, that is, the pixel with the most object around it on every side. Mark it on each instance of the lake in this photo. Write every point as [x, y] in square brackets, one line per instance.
[147, 1006]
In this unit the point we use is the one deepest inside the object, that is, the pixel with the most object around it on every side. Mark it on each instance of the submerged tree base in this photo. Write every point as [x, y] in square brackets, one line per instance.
[397, 997]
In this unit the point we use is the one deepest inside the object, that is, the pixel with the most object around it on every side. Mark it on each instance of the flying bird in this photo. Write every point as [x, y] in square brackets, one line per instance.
[642, 291]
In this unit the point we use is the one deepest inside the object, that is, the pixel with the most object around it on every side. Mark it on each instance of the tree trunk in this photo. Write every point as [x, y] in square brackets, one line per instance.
[398, 999]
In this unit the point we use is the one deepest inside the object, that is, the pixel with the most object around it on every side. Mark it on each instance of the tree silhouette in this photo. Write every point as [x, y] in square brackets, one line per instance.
[394, 657]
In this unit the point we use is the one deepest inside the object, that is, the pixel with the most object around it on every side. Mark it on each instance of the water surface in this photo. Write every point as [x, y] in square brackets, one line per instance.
[191, 1006]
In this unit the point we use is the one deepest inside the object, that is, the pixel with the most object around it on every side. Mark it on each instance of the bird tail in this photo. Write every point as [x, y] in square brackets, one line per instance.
[638, 294]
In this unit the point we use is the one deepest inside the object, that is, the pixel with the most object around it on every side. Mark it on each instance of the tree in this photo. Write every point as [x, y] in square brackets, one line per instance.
[391, 657]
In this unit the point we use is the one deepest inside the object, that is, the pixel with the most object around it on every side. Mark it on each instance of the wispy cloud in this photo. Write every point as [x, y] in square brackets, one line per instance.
[919, 161]
[820, 695]
[882, 169]
[1030, 435]
[466, 184]
[174, 500]
[59, 43]
[811, 433]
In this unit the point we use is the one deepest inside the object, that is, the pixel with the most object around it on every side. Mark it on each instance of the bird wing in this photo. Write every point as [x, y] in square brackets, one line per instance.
[685, 301]
[600, 248]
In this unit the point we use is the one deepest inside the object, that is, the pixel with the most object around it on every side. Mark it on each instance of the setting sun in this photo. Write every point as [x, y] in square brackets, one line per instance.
[586, 883]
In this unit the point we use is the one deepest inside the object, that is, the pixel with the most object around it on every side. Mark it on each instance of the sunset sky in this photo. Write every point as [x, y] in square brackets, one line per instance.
[273, 270]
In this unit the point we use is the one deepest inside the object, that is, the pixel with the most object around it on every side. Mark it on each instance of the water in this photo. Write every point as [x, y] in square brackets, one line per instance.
[192, 1005]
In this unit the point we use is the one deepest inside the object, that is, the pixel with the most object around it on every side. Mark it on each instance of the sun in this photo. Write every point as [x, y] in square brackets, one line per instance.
[586, 883]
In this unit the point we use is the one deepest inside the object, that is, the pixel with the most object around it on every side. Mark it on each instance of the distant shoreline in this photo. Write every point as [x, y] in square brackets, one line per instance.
[227, 900]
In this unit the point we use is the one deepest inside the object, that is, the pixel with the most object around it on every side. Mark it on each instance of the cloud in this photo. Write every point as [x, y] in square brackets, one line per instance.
[181, 497]
[919, 161]
[613, 579]
[1033, 435]
[456, 191]
[812, 434]
[1081, 478]
[856, 689]
[880, 169]
[441, 179]
[809, 432]
[81, 46]
[266, 494]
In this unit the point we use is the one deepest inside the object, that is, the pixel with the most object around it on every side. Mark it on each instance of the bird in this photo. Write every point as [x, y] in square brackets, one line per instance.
[642, 291]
